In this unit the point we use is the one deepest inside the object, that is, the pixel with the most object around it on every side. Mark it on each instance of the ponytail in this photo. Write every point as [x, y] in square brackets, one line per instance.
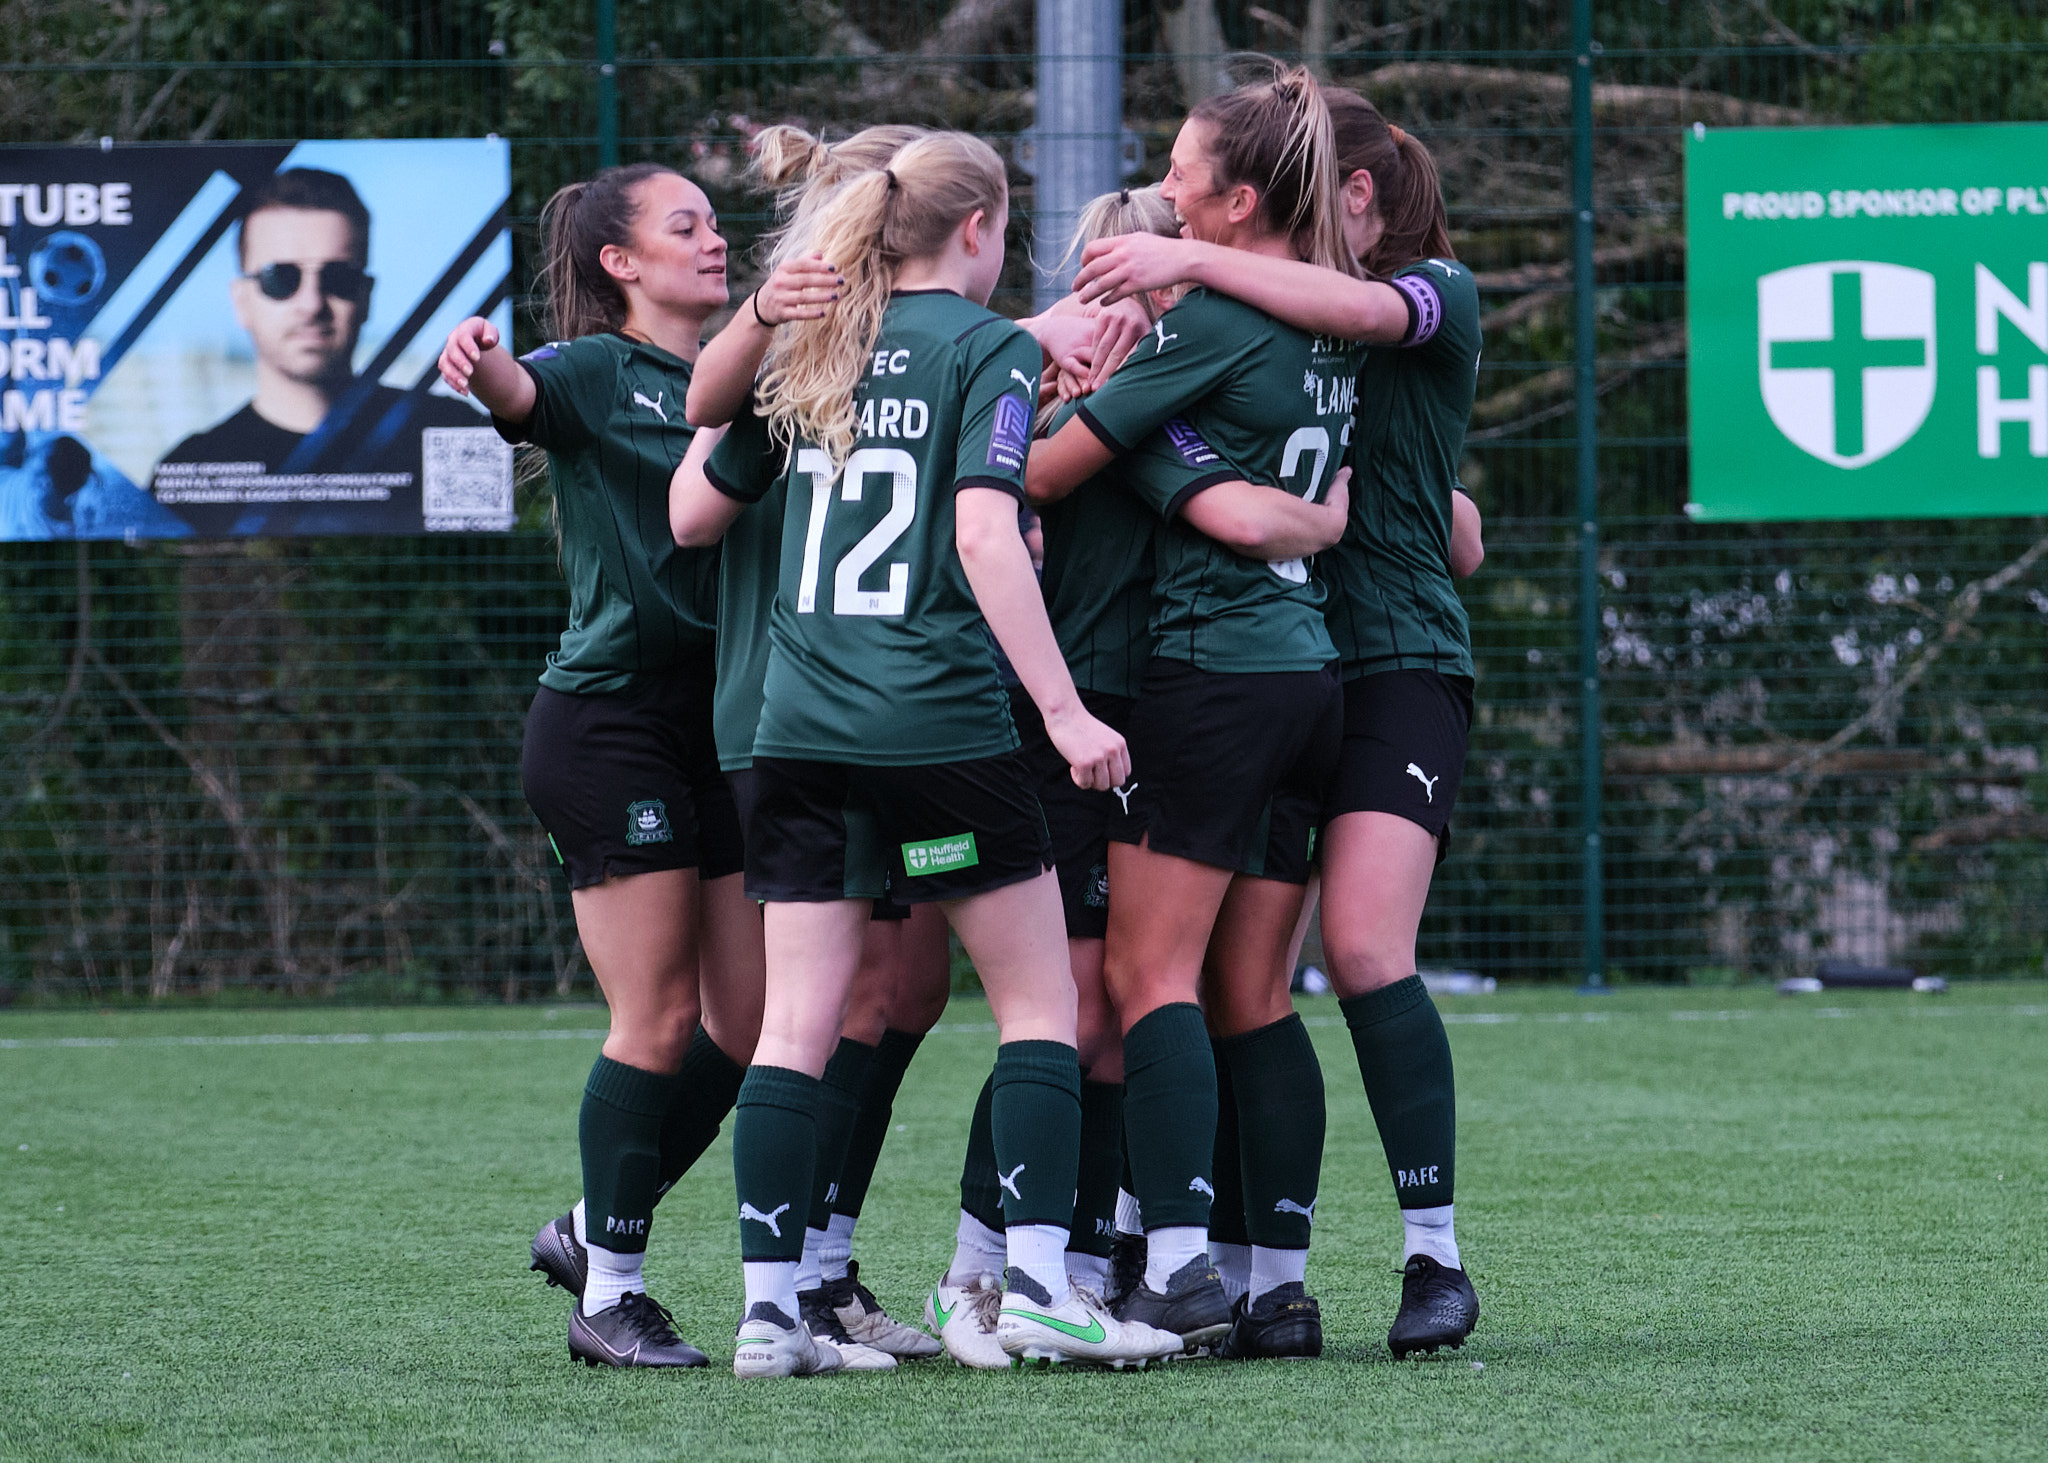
[575, 226]
[1276, 136]
[1406, 188]
[868, 227]
[803, 171]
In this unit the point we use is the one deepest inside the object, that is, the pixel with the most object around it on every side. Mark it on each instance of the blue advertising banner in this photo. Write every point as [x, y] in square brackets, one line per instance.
[227, 340]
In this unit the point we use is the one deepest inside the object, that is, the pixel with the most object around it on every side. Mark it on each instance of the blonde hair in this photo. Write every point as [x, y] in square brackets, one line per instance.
[869, 226]
[1108, 215]
[1277, 136]
[803, 171]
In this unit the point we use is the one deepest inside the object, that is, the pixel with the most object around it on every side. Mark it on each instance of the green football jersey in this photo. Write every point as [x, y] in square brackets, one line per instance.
[609, 412]
[747, 464]
[878, 654]
[1098, 579]
[1393, 604]
[1223, 391]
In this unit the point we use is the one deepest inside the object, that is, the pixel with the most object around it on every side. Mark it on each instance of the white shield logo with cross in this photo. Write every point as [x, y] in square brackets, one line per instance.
[1847, 355]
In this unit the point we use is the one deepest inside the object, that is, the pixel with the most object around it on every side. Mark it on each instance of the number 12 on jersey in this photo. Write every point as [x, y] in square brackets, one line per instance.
[848, 598]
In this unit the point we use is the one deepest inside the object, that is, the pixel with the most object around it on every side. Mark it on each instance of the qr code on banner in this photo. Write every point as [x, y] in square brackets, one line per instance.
[465, 480]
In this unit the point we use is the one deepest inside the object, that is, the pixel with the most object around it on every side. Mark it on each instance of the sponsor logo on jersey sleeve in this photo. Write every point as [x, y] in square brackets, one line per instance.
[1189, 444]
[940, 855]
[1011, 433]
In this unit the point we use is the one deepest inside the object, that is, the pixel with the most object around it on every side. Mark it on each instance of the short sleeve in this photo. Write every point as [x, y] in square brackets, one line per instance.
[1171, 466]
[995, 416]
[1193, 348]
[574, 383]
[746, 461]
[1443, 309]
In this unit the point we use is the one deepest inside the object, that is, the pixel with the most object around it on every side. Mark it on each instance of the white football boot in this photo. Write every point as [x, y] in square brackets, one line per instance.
[967, 1326]
[770, 1344]
[864, 1321]
[1079, 1329]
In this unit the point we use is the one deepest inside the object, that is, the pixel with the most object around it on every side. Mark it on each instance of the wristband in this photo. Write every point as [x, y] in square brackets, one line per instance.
[754, 300]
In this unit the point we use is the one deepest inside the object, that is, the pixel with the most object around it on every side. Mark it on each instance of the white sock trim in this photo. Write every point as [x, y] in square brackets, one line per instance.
[1234, 1264]
[1040, 1251]
[837, 1248]
[773, 1281]
[1089, 1270]
[1274, 1268]
[1170, 1247]
[977, 1250]
[1128, 1219]
[1430, 1232]
[612, 1275]
[808, 1274]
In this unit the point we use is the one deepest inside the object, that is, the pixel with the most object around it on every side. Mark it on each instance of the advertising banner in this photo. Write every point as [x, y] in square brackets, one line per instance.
[221, 340]
[1868, 319]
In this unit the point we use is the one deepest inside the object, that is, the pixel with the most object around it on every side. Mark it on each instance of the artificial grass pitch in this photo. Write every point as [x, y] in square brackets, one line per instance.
[1702, 1225]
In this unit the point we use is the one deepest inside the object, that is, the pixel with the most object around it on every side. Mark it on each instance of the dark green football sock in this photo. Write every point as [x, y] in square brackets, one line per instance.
[838, 1108]
[980, 1194]
[706, 1088]
[620, 1134]
[871, 1128]
[774, 1148]
[1102, 1167]
[1170, 1115]
[1226, 1215]
[1405, 1059]
[1281, 1117]
[1035, 1122]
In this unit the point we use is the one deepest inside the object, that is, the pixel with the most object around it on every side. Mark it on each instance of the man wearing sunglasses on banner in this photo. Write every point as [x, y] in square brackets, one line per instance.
[317, 449]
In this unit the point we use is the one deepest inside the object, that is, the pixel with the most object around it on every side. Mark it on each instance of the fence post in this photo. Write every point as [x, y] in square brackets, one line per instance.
[1585, 347]
[1077, 135]
[607, 83]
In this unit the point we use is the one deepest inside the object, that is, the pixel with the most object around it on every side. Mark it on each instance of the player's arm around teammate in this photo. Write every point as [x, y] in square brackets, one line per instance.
[1405, 643]
[885, 746]
[1235, 729]
[619, 762]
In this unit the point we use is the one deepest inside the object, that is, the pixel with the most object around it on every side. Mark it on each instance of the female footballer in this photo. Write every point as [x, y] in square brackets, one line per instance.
[885, 748]
[619, 763]
[1226, 417]
[1402, 634]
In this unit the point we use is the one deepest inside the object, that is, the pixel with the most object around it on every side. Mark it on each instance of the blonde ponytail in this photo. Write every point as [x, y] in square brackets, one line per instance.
[868, 227]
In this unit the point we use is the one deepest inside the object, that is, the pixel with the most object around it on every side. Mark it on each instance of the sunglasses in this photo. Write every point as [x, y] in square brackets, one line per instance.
[338, 279]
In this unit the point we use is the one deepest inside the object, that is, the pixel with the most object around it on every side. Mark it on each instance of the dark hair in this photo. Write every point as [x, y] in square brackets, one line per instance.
[575, 226]
[1405, 185]
[1276, 137]
[312, 189]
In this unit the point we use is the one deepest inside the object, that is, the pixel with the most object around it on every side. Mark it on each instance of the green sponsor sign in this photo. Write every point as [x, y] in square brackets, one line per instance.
[1868, 322]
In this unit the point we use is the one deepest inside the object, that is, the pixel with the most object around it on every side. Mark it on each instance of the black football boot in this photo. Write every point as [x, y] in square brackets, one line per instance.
[1194, 1306]
[1438, 1307]
[558, 1255]
[638, 1331]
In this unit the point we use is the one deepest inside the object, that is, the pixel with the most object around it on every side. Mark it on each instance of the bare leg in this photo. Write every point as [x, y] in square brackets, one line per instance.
[733, 968]
[813, 951]
[640, 934]
[1377, 867]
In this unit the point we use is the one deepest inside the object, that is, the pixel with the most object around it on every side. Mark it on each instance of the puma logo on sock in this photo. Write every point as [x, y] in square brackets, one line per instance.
[1009, 1182]
[1200, 1185]
[1288, 1206]
[771, 1219]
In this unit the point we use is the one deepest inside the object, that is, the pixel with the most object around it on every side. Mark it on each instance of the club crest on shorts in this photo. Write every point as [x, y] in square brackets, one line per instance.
[1096, 895]
[647, 822]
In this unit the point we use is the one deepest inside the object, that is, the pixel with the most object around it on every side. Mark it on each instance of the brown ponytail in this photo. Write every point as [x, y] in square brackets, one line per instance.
[575, 226]
[1276, 137]
[1406, 189]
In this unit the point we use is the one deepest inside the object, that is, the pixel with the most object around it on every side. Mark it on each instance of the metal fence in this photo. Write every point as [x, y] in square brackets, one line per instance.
[290, 767]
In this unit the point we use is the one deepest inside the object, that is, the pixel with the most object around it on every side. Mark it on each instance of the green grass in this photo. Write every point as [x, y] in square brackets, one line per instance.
[1764, 1231]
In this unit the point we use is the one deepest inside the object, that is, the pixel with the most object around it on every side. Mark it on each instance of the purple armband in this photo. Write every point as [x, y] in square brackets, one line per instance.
[1425, 308]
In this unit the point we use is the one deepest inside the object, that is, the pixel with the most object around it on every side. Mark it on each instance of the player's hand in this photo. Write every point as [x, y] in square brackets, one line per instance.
[467, 343]
[804, 288]
[1118, 329]
[1338, 499]
[1096, 755]
[1130, 264]
[1067, 337]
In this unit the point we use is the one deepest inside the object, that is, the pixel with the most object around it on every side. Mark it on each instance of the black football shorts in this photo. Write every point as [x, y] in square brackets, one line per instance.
[1077, 818]
[1405, 734]
[627, 782]
[818, 831]
[1232, 770]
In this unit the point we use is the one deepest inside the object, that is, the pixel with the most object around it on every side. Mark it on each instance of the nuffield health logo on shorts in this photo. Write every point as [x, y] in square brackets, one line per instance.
[1846, 349]
[647, 822]
[940, 855]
